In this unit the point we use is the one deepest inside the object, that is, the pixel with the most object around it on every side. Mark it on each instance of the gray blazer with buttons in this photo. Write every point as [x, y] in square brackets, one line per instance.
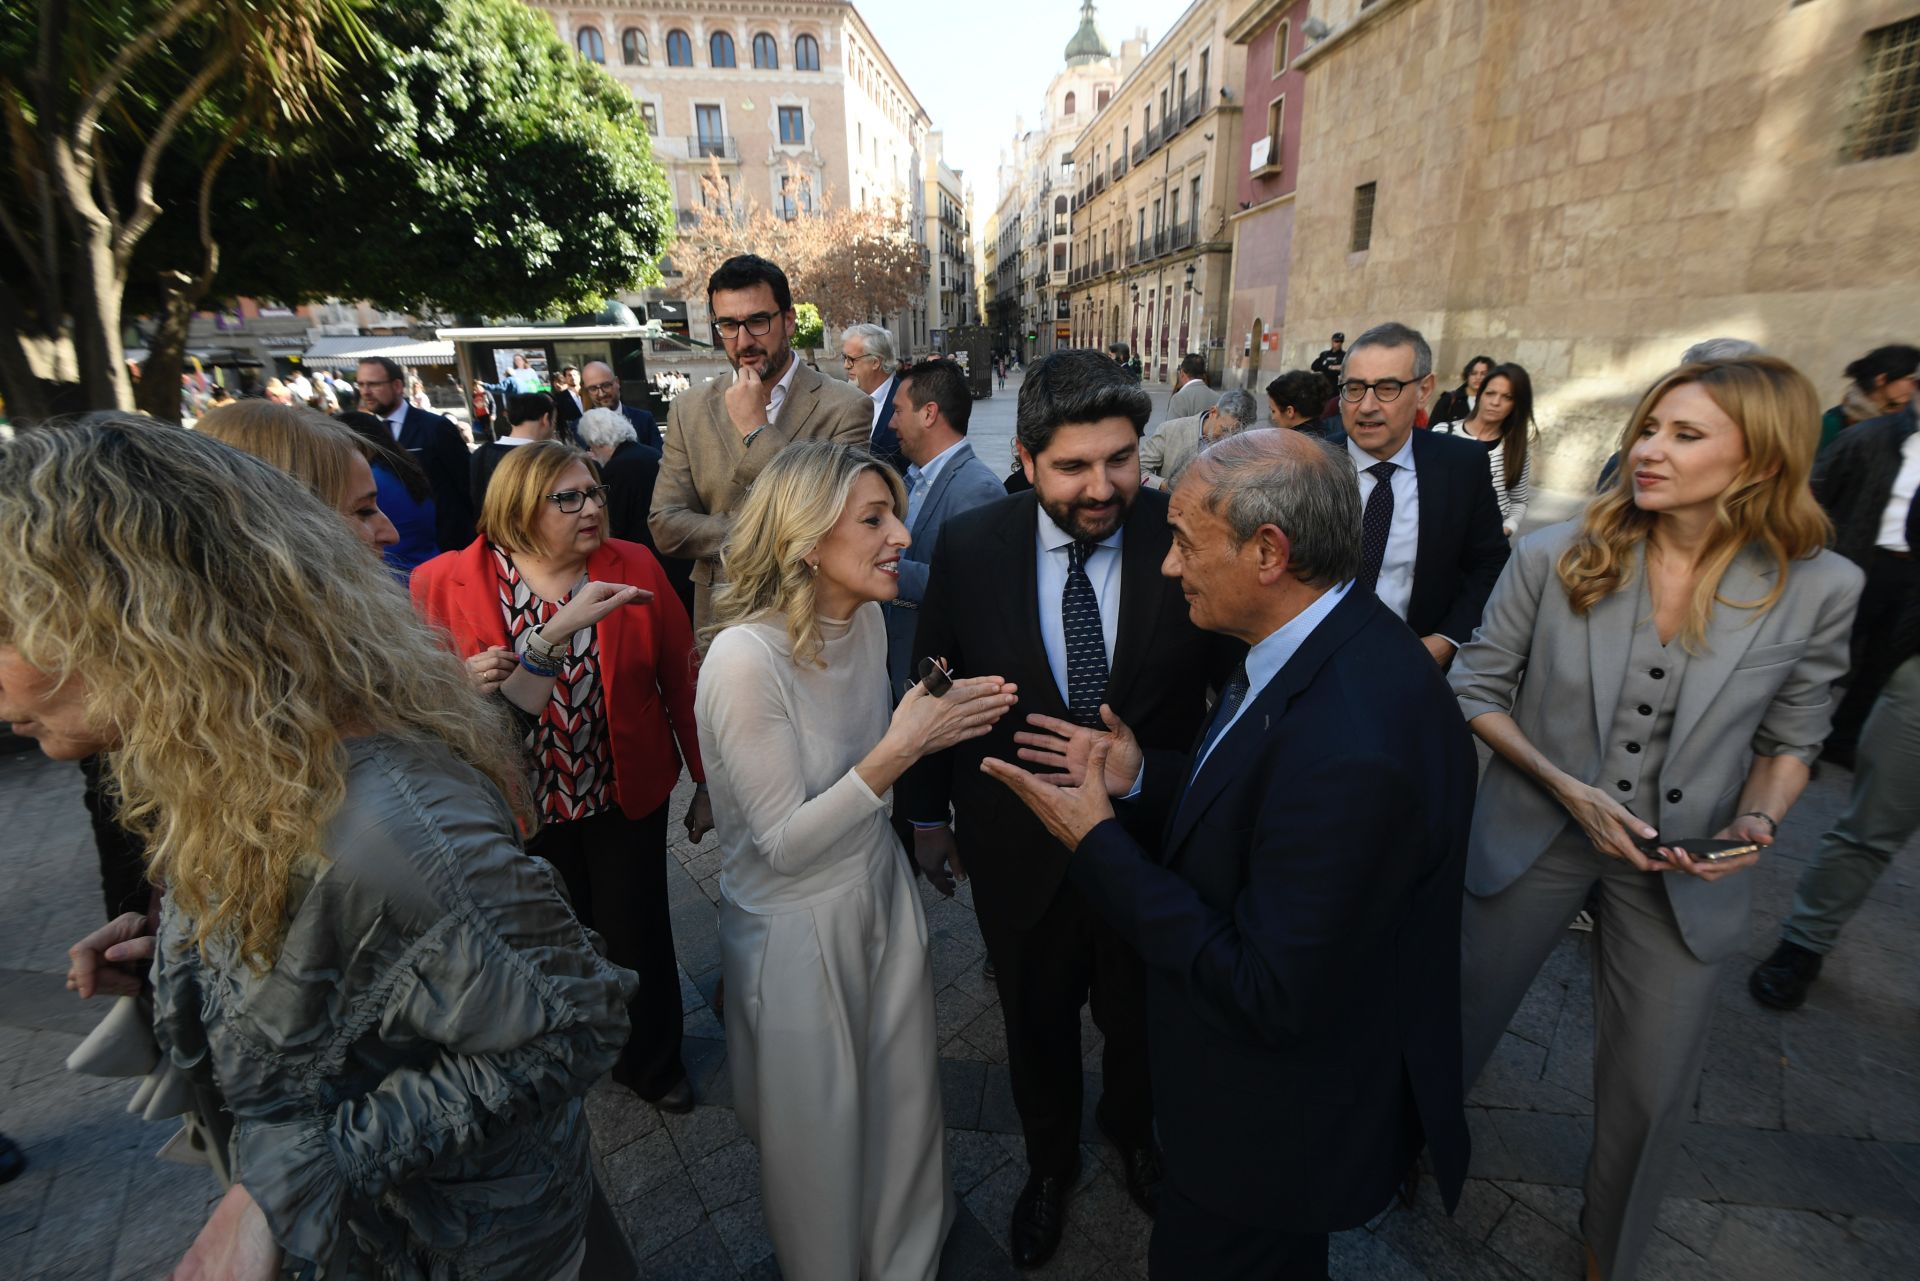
[1762, 686]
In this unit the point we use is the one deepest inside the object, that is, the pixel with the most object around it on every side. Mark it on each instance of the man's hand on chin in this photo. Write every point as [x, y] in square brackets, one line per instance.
[1069, 813]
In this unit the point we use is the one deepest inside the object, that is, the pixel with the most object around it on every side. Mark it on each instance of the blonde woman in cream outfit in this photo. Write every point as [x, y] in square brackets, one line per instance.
[830, 1029]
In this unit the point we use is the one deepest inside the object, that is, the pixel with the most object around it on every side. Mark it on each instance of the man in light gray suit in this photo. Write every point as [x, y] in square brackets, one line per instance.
[1166, 453]
[720, 436]
[931, 406]
[1191, 395]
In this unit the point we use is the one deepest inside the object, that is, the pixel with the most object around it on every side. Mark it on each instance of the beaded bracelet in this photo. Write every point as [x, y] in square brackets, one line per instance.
[538, 668]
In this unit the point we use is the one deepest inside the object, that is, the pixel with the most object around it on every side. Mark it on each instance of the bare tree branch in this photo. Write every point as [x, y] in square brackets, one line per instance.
[145, 210]
[172, 19]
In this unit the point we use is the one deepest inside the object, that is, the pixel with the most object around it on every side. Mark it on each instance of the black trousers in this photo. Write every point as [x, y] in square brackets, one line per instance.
[615, 868]
[1891, 582]
[1071, 958]
[123, 856]
[1190, 1243]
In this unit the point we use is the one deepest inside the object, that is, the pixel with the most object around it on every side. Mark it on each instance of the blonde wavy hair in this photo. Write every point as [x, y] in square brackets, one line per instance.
[304, 443]
[794, 504]
[232, 633]
[1769, 505]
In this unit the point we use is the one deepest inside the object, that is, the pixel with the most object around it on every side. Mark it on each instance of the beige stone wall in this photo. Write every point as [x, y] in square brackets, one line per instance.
[1589, 187]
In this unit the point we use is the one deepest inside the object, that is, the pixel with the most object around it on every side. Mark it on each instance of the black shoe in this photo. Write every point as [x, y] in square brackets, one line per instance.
[12, 1160]
[1144, 1171]
[678, 1100]
[1781, 981]
[1038, 1217]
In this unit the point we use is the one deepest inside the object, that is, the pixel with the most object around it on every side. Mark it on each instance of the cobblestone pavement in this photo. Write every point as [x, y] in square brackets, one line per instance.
[1801, 1159]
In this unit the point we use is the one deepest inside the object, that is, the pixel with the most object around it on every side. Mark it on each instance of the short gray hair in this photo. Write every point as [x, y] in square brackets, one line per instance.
[1294, 482]
[1721, 349]
[875, 340]
[1395, 334]
[1237, 405]
[608, 427]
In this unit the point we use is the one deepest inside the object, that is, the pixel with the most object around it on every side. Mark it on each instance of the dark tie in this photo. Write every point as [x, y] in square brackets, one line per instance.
[1086, 642]
[1375, 525]
[1232, 695]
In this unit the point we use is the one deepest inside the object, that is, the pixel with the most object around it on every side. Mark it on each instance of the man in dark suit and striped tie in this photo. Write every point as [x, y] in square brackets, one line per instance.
[1059, 590]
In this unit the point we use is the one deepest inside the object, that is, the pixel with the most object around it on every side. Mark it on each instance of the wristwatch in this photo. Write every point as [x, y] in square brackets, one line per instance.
[545, 650]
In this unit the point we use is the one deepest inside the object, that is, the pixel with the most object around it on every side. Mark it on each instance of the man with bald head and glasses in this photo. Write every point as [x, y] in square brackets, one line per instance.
[720, 436]
[1431, 545]
[601, 387]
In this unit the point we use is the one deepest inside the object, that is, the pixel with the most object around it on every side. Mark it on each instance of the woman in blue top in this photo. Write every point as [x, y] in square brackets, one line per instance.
[406, 496]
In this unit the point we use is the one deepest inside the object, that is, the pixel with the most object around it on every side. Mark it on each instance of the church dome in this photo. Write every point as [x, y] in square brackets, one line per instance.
[1087, 43]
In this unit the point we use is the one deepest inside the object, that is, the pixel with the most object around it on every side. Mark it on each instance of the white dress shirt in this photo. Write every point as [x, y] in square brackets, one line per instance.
[920, 480]
[1051, 544]
[880, 396]
[1395, 586]
[777, 400]
[397, 419]
[1893, 522]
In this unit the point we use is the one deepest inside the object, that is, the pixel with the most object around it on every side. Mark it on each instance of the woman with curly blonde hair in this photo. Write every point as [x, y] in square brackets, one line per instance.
[1654, 679]
[391, 1000]
[823, 942]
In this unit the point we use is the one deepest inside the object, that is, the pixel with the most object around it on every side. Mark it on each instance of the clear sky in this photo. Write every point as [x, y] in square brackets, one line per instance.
[976, 64]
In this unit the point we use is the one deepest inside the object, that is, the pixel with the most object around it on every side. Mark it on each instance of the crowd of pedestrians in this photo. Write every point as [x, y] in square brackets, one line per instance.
[1191, 709]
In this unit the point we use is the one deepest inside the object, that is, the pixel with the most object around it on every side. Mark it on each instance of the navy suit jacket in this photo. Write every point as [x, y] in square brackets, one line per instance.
[1462, 549]
[964, 483]
[647, 432]
[436, 444]
[1300, 925]
[885, 442]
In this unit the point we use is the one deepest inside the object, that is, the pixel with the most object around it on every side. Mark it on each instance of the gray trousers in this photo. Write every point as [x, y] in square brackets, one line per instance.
[1652, 1002]
[1882, 814]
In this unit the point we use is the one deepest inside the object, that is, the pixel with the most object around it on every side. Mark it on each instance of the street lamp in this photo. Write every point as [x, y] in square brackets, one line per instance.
[1189, 277]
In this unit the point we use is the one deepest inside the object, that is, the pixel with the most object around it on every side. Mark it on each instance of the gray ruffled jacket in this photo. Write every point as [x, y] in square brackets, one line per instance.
[405, 1083]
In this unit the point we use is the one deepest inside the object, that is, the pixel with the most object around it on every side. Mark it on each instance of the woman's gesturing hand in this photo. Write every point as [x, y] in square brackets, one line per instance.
[925, 724]
[1610, 826]
[589, 605]
[114, 959]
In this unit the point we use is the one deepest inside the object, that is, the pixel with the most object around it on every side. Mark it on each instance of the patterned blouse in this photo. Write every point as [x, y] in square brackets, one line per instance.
[571, 751]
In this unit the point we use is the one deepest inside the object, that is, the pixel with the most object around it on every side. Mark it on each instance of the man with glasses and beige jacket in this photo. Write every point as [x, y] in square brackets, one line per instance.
[721, 435]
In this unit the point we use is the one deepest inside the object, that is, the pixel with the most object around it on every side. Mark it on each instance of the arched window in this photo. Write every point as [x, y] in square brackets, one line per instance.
[633, 47]
[679, 49]
[720, 49]
[1067, 109]
[806, 54]
[588, 42]
[766, 52]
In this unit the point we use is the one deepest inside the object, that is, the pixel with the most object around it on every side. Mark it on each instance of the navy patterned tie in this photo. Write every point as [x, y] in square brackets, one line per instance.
[1232, 695]
[1375, 524]
[1086, 641]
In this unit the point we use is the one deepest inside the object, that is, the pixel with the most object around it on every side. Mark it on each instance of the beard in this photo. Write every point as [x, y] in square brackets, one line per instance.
[1084, 525]
[770, 363]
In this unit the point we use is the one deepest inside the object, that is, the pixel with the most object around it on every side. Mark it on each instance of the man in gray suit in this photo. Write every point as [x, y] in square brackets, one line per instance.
[1166, 453]
[720, 436]
[931, 406]
[1191, 395]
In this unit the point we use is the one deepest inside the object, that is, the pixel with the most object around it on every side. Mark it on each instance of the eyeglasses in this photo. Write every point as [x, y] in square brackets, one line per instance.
[599, 387]
[1386, 389]
[572, 500]
[851, 361]
[758, 324]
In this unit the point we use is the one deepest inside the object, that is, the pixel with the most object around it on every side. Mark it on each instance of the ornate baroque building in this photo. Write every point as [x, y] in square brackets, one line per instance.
[1153, 179]
[770, 91]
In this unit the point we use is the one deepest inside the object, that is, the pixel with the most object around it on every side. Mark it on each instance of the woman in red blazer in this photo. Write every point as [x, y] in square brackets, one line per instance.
[585, 637]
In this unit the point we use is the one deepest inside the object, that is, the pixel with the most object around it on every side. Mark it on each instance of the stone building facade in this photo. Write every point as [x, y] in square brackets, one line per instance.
[790, 99]
[1590, 188]
[949, 241]
[1156, 177]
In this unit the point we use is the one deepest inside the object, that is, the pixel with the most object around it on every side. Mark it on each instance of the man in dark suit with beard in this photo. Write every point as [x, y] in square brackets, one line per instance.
[1059, 591]
[1298, 906]
[434, 442]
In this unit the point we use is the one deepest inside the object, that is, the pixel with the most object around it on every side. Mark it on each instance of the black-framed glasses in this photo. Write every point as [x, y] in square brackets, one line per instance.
[600, 387]
[1385, 389]
[572, 500]
[758, 325]
[850, 361]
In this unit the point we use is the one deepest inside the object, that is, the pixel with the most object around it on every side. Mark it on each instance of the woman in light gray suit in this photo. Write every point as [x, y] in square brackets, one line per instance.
[1656, 671]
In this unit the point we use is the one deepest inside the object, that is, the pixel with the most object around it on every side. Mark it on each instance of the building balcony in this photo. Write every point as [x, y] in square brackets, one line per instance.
[1139, 153]
[1159, 242]
[1120, 167]
[1190, 108]
[1106, 262]
[1099, 183]
[701, 148]
[1182, 235]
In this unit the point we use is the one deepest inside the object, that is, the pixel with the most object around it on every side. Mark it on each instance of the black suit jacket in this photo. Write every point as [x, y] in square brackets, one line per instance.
[436, 444]
[981, 613]
[629, 477]
[1300, 923]
[566, 414]
[885, 442]
[1462, 550]
[646, 430]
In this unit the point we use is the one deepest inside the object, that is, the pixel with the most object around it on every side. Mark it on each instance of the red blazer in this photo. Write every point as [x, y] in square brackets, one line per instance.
[647, 660]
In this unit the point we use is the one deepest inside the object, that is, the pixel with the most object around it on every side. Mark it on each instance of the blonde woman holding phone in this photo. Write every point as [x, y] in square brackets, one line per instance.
[830, 1031]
